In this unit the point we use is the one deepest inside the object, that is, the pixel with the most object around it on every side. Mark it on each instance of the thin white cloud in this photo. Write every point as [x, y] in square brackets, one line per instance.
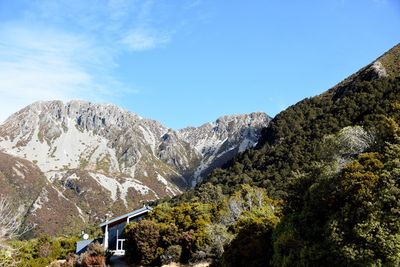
[39, 64]
[134, 21]
[145, 39]
[64, 49]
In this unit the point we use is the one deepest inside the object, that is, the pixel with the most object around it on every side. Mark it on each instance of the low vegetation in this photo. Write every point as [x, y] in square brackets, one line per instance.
[37, 252]
[321, 189]
[328, 172]
[198, 230]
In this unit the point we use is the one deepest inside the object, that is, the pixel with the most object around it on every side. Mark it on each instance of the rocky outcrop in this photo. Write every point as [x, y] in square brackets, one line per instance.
[100, 153]
[221, 140]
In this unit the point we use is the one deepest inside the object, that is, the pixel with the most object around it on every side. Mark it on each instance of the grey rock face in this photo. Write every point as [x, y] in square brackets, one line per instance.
[379, 69]
[110, 153]
[221, 140]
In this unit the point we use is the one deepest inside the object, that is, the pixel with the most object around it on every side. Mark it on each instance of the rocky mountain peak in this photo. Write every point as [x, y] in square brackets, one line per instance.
[222, 139]
[91, 151]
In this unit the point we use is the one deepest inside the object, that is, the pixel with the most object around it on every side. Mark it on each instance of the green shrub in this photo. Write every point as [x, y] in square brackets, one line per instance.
[34, 252]
[251, 247]
[142, 241]
[171, 254]
[37, 262]
[7, 258]
[94, 256]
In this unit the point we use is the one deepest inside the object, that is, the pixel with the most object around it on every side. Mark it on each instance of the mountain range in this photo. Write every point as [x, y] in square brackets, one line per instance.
[69, 164]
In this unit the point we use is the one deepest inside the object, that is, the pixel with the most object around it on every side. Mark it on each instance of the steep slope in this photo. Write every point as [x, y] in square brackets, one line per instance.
[332, 161]
[101, 141]
[343, 208]
[223, 139]
[21, 180]
[46, 209]
[292, 141]
[100, 153]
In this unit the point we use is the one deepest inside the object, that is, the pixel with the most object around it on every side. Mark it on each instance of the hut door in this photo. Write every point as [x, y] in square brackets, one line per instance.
[120, 243]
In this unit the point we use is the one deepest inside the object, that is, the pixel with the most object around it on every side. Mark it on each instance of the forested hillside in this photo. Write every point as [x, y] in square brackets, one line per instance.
[293, 139]
[321, 188]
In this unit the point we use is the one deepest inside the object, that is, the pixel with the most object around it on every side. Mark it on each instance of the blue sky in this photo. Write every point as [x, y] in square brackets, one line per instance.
[186, 62]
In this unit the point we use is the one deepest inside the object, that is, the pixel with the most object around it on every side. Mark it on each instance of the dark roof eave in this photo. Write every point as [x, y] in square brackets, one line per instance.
[134, 213]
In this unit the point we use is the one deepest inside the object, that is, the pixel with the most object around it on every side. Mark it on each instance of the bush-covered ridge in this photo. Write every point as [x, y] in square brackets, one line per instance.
[321, 189]
[349, 217]
[331, 161]
[292, 140]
